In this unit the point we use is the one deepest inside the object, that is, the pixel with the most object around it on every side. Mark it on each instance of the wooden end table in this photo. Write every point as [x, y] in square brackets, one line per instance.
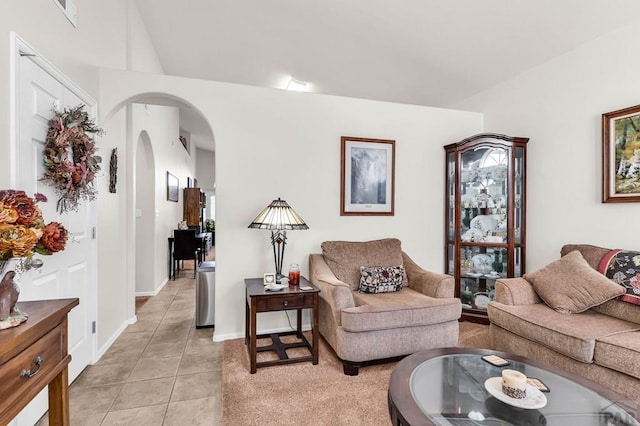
[258, 299]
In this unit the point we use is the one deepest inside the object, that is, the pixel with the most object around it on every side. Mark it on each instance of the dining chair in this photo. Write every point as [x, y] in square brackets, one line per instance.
[186, 247]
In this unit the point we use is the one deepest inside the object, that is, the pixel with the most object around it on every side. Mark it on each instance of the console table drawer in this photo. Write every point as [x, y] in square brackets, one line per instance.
[286, 301]
[49, 349]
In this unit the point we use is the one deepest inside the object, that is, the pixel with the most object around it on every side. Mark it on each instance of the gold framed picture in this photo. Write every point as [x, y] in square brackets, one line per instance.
[621, 155]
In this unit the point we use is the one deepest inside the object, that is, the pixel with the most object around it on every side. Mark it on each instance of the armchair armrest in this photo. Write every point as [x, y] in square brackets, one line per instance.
[516, 291]
[432, 284]
[336, 293]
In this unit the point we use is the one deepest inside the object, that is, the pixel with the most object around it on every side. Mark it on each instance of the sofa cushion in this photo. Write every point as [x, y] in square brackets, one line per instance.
[618, 309]
[346, 257]
[623, 268]
[592, 254]
[620, 352]
[570, 335]
[381, 279]
[406, 308]
[570, 285]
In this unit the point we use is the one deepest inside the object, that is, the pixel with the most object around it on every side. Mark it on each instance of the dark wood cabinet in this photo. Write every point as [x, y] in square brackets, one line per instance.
[193, 206]
[485, 215]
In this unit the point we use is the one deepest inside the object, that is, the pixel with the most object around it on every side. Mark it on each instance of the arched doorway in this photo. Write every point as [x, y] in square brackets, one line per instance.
[146, 157]
[145, 187]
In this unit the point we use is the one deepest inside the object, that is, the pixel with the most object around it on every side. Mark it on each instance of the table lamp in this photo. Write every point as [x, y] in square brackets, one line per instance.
[278, 217]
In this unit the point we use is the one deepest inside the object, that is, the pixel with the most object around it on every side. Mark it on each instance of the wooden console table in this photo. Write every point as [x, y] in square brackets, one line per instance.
[34, 355]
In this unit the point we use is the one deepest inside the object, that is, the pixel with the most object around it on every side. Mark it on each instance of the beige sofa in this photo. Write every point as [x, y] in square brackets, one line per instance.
[362, 327]
[601, 343]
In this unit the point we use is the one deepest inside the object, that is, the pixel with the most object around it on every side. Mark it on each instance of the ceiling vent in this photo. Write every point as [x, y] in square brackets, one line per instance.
[69, 9]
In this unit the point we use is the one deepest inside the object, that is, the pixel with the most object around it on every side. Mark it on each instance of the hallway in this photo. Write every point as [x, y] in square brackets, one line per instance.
[160, 371]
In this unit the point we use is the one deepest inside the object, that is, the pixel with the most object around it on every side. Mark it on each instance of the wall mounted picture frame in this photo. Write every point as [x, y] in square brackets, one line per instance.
[621, 156]
[172, 187]
[367, 177]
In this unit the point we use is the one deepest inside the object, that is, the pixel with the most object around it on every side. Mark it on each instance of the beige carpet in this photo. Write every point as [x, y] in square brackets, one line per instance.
[306, 394]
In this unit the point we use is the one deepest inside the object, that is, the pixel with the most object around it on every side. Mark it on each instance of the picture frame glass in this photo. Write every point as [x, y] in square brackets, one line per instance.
[367, 176]
[172, 188]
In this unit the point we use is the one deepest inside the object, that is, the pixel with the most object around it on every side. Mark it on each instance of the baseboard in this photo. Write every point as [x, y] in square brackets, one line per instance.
[114, 336]
[152, 293]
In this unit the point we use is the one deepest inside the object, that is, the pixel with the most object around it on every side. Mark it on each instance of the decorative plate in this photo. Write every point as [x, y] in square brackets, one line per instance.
[485, 223]
[274, 287]
[482, 263]
[534, 399]
[481, 300]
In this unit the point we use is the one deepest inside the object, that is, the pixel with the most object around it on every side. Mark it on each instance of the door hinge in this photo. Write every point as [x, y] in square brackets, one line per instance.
[93, 327]
[93, 233]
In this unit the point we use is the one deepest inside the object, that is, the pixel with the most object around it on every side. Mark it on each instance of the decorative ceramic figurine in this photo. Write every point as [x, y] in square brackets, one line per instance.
[482, 263]
[9, 292]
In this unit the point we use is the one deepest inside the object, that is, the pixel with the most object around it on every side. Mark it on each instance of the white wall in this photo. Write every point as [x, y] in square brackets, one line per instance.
[559, 106]
[206, 169]
[271, 143]
[141, 55]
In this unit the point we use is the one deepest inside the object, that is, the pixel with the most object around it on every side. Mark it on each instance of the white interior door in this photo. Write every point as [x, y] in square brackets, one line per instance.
[72, 272]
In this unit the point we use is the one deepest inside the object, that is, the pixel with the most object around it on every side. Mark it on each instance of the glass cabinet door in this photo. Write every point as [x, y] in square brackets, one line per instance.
[451, 195]
[484, 195]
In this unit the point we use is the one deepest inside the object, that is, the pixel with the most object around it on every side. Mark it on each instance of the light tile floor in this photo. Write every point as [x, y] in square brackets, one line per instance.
[160, 371]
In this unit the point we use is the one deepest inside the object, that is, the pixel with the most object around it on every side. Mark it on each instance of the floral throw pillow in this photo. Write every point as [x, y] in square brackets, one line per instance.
[623, 267]
[381, 279]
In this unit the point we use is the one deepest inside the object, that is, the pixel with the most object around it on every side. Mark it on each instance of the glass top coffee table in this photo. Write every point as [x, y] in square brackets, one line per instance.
[447, 387]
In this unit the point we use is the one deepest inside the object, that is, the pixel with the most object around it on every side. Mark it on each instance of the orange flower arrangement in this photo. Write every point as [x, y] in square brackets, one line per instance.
[22, 228]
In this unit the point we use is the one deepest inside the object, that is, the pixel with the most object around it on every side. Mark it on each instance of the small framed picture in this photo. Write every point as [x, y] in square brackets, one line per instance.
[269, 278]
[172, 187]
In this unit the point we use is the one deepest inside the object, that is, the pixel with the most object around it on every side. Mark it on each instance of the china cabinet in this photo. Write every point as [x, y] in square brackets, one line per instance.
[484, 216]
[193, 205]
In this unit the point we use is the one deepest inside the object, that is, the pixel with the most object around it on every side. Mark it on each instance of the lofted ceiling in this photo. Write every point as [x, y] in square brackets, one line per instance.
[426, 52]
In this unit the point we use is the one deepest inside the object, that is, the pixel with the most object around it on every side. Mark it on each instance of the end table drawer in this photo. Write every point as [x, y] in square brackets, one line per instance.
[36, 361]
[292, 301]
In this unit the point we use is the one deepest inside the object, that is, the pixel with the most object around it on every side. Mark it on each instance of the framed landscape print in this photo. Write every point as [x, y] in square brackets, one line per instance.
[621, 156]
[367, 177]
[172, 187]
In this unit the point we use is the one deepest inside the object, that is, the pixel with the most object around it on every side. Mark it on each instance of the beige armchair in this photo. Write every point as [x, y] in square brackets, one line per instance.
[363, 327]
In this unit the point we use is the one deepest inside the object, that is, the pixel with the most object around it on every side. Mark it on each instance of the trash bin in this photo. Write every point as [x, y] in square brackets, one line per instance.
[205, 294]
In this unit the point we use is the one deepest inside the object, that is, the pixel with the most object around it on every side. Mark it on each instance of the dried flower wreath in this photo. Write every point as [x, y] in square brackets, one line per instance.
[69, 160]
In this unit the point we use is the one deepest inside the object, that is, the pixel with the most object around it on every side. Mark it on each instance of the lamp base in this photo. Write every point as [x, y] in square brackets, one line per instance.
[279, 278]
